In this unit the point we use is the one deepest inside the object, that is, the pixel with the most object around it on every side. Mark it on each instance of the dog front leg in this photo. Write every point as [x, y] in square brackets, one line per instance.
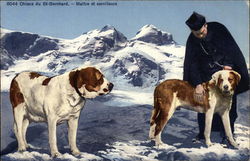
[226, 123]
[72, 132]
[52, 136]
[208, 125]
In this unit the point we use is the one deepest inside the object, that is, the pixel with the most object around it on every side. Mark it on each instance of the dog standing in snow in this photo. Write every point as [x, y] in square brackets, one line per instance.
[37, 98]
[171, 94]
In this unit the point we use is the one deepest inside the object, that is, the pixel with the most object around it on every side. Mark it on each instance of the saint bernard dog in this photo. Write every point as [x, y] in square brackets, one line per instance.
[37, 98]
[171, 94]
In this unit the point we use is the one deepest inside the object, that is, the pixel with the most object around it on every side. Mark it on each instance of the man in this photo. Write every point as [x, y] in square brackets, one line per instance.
[210, 47]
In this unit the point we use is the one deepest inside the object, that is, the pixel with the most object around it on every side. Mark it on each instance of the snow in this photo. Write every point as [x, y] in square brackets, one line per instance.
[4, 31]
[145, 30]
[66, 62]
[78, 44]
[140, 151]
[121, 98]
[45, 157]
[151, 50]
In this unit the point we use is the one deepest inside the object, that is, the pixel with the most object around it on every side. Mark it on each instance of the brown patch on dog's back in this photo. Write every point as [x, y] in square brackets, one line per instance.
[34, 75]
[16, 96]
[46, 81]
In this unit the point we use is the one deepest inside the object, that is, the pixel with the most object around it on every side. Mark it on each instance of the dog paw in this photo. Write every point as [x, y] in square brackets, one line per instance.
[76, 153]
[22, 149]
[151, 137]
[159, 144]
[234, 144]
[55, 154]
[27, 146]
[209, 144]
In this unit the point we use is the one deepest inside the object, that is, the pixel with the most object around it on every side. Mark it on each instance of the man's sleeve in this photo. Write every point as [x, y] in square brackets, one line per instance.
[191, 66]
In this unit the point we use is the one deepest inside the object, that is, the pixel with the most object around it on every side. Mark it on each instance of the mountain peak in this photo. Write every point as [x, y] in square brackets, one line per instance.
[149, 26]
[110, 32]
[104, 31]
[100, 41]
[108, 27]
[147, 29]
[151, 34]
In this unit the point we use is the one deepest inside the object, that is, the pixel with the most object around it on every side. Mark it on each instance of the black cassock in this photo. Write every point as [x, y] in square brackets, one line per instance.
[206, 56]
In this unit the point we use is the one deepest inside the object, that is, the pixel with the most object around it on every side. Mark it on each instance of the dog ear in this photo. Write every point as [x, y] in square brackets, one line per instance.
[215, 77]
[211, 84]
[237, 76]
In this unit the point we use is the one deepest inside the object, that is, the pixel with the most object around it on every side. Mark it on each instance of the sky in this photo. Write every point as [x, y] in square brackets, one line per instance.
[127, 17]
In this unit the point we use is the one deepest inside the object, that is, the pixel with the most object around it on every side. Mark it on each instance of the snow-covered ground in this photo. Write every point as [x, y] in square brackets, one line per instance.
[109, 130]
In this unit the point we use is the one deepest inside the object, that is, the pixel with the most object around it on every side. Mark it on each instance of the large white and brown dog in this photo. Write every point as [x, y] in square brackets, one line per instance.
[37, 98]
[171, 94]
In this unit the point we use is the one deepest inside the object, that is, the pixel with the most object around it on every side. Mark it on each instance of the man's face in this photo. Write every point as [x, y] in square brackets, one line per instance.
[202, 33]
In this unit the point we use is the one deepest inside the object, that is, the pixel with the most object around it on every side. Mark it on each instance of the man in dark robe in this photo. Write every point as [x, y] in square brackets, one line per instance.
[210, 47]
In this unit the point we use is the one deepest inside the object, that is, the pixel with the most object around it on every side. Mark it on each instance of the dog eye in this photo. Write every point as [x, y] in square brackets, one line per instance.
[220, 81]
[230, 79]
[99, 81]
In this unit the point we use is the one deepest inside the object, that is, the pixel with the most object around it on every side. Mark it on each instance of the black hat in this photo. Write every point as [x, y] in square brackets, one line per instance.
[195, 21]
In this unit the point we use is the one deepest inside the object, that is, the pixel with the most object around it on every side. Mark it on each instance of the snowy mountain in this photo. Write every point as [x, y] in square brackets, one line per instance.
[17, 45]
[115, 126]
[151, 34]
[142, 61]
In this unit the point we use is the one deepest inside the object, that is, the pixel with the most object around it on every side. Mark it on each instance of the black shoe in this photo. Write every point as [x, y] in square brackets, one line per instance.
[200, 136]
[224, 140]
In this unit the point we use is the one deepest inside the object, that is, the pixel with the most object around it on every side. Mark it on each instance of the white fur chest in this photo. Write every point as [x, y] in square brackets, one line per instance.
[223, 103]
[69, 108]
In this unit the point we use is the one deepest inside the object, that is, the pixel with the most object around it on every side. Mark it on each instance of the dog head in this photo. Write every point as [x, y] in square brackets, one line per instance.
[90, 82]
[226, 81]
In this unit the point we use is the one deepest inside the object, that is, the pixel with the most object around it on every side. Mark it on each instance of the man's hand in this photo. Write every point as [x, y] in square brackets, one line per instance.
[199, 93]
[227, 68]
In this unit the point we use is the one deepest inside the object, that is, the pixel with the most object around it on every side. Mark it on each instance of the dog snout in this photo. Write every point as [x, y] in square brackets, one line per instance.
[110, 86]
[225, 87]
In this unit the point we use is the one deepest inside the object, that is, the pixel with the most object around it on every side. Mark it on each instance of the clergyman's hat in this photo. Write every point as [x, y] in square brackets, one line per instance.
[196, 21]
